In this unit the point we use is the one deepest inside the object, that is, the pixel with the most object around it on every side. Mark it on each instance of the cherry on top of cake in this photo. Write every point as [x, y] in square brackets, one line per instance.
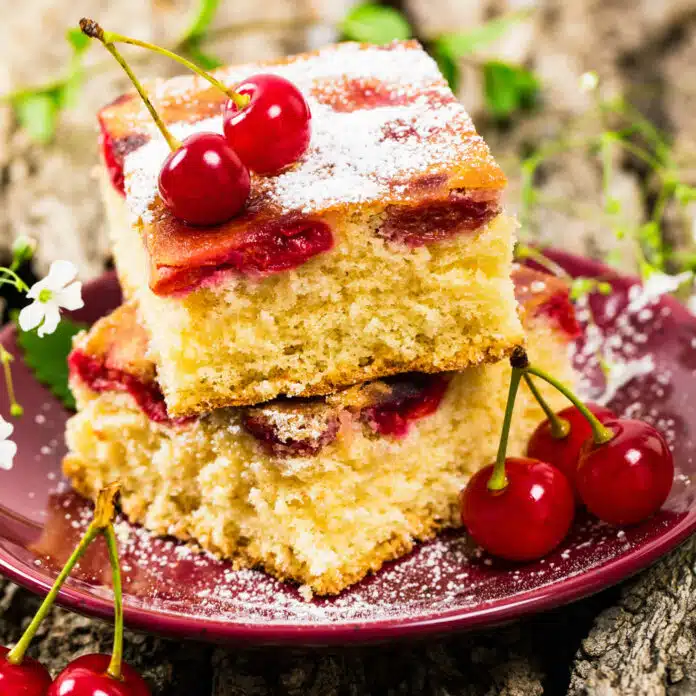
[387, 133]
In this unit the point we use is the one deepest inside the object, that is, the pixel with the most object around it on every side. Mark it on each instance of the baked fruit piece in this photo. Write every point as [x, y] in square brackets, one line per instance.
[320, 491]
[382, 251]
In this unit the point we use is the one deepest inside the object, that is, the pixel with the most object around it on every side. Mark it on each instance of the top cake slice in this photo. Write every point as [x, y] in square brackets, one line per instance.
[383, 250]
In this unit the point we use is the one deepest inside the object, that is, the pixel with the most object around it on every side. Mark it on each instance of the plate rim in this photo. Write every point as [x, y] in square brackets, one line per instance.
[487, 613]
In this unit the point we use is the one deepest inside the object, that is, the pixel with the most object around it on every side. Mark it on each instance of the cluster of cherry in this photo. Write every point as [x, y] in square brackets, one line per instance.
[520, 509]
[205, 178]
[89, 675]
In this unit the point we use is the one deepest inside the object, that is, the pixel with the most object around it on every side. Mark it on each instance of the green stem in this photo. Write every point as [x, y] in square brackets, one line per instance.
[13, 279]
[560, 427]
[94, 31]
[498, 479]
[600, 433]
[6, 358]
[103, 514]
[116, 662]
[16, 655]
[240, 100]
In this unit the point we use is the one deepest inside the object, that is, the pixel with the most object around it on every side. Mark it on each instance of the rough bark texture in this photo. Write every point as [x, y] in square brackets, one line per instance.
[640, 639]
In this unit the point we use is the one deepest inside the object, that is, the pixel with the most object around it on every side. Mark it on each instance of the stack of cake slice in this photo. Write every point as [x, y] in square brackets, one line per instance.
[307, 387]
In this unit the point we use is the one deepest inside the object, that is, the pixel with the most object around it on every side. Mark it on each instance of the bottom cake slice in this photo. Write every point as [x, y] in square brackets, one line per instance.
[319, 491]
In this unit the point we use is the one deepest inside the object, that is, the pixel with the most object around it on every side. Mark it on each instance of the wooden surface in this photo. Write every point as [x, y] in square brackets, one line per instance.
[636, 639]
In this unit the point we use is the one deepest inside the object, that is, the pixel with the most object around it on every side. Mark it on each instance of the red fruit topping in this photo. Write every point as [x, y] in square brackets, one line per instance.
[114, 166]
[412, 397]
[544, 295]
[627, 479]
[289, 430]
[463, 211]
[565, 452]
[86, 676]
[259, 249]
[29, 678]
[273, 130]
[204, 182]
[525, 520]
[100, 378]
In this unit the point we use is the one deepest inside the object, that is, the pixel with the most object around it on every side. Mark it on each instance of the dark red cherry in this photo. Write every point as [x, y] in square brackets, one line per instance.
[29, 678]
[86, 676]
[273, 130]
[627, 479]
[525, 520]
[204, 182]
[564, 452]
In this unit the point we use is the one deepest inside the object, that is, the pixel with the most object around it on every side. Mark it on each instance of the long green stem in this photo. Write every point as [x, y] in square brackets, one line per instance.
[103, 514]
[498, 479]
[16, 655]
[94, 31]
[600, 433]
[240, 100]
[114, 669]
[559, 426]
[6, 358]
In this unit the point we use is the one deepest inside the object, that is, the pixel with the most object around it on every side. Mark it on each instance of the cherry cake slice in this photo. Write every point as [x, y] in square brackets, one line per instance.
[382, 251]
[318, 490]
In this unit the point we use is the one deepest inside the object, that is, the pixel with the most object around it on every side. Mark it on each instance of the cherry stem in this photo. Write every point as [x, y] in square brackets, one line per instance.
[6, 358]
[241, 100]
[116, 662]
[600, 433]
[103, 515]
[94, 31]
[560, 427]
[498, 479]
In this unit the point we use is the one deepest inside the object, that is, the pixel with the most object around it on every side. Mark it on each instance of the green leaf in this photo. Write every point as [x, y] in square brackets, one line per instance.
[37, 113]
[47, 357]
[378, 24]
[466, 42]
[449, 67]
[508, 88]
[201, 20]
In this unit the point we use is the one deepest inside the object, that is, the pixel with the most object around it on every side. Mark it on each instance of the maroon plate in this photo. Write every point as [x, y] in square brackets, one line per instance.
[443, 585]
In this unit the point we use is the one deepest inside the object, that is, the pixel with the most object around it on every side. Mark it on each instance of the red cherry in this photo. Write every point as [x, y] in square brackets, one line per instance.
[86, 676]
[273, 130]
[204, 182]
[526, 519]
[29, 678]
[564, 452]
[627, 479]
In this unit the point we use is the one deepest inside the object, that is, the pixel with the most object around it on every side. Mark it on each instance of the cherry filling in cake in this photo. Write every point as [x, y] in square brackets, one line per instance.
[412, 397]
[462, 211]
[543, 295]
[192, 256]
[96, 375]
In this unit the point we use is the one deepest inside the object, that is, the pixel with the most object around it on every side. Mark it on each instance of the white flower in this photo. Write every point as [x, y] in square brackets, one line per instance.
[58, 290]
[8, 449]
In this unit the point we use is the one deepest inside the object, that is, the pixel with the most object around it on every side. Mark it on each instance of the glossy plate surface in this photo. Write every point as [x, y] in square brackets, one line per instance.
[442, 586]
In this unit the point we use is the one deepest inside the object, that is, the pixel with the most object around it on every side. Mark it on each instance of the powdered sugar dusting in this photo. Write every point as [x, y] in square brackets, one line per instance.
[355, 157]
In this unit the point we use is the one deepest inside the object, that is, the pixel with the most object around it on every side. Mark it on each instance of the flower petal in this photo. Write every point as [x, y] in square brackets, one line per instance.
[60, 274]
[36, 289]
[6, 429]
[71, 297]
[8, 449]
[51, 319]
[32, 315]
